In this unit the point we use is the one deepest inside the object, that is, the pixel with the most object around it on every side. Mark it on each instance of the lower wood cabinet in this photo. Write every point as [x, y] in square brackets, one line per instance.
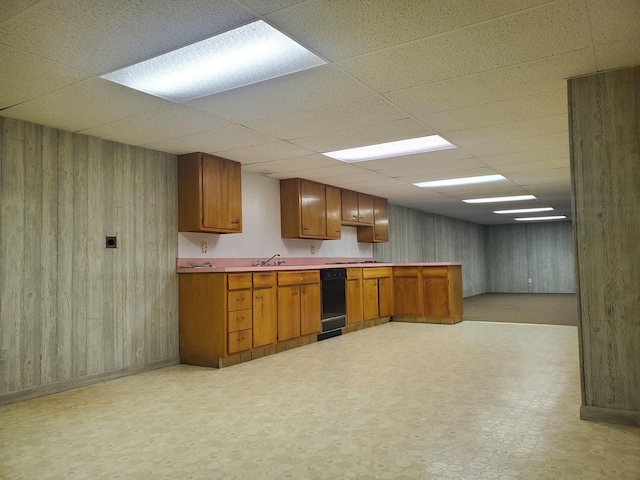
[377, 286]
[299, 304]
[227, 318]
[265, 321]
[355, 306]
[428, 294]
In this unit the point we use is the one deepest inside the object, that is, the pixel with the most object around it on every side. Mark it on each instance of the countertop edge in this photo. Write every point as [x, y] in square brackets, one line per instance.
[284, 268]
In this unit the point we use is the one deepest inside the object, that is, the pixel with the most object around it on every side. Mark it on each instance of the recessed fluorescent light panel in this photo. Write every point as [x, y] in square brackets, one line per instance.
[535, 219]
[249, 54]
[514, 198]
[452, 182]
[524, 210]
[410, 146]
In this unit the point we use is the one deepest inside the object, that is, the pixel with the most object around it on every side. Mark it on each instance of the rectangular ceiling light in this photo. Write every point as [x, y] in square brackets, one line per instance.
[514, 198]
[534, 219]
[452, 182]
[410, 146]
[525, 210]
[249, 54]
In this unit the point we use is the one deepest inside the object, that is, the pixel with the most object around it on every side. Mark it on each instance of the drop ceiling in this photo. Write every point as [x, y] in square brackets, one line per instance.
[490, 77]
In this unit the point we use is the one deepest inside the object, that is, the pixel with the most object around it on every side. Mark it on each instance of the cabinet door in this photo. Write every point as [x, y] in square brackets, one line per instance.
[313, 206]
[407, 295]
[385, 297]
[436, 297]
[380, 220]
[370, 298]
[288, 312]
[334, 214]
[354, 301]
[365, 209]
[310, 308]
[221, 194]
[349, 206]
[264, 316]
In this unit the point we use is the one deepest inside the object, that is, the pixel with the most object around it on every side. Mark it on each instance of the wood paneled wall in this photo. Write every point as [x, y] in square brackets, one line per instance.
[416, 236]
[72, 311]
[541, 252]
[605, 166]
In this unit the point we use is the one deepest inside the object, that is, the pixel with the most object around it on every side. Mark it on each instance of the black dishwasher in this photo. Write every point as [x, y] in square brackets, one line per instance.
[334, 304]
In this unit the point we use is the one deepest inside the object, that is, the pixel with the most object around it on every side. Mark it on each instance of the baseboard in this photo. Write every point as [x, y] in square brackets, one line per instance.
[610, 415]
[50, 388]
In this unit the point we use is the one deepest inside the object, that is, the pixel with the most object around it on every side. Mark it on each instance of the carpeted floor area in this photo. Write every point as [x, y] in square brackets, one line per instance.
[539, 308]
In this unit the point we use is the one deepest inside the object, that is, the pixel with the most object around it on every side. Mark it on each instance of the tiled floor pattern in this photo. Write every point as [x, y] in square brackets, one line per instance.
[398, 401]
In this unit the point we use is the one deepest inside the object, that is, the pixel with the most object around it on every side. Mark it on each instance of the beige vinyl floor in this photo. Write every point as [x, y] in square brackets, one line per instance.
[476, 400]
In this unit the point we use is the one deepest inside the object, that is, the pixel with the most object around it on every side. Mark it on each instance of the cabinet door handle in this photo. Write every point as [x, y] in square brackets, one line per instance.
[305, 228]
[235, 222]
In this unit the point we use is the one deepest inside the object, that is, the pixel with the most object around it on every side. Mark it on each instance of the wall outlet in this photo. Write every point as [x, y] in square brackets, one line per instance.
[313, 249]
[529, 280]
[204, 247]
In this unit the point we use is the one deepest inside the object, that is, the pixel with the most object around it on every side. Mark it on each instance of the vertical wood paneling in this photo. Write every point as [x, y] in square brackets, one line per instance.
[79, 290]
[64, 243]
[13, 251]
[416, 236]
[49, 257]
[605, 165]
[69, 307]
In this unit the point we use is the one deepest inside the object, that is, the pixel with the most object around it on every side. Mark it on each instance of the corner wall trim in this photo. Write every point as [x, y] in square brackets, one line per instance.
[57, 387]
[610, 415]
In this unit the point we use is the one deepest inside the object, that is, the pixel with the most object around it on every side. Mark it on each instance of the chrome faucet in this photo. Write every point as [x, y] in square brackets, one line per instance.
[266, 262]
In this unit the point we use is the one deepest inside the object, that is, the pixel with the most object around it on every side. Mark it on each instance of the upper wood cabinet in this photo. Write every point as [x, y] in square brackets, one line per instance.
[334, 201]
[379, 232]
[309, 209]
[357, 208]
[209, 194]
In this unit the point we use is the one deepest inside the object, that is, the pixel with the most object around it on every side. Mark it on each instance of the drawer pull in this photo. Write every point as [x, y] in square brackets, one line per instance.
[240, 339]
[240, 299]
[234, 222]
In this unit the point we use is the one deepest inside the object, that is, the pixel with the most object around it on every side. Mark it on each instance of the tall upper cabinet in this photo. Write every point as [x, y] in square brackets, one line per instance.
[209, 194]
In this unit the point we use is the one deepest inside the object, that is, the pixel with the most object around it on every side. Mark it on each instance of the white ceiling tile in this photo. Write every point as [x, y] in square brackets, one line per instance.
[520, 144]
[289, 164]
[533, 155]
[510, 131]
[539, 76]
[368, 135]
[9, 8]
[355, 178]
[330, 118]
[304, 90]
[551, 29]
[264, 7]
[439, 170]
[85, 104]
[497, 113]
[622, 53]
[156, 125]
[541, 176]
[45, 76]
[533, 166]
[613, 20]
[335, 170]
[97, 36]
[266, 153]
[213, 141]
[339, 29]
[419, 159]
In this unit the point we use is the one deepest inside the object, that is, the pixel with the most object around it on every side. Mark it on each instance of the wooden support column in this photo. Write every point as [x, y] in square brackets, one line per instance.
[604, 111]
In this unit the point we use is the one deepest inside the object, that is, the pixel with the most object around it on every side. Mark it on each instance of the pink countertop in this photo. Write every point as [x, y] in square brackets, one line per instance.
[182, 268]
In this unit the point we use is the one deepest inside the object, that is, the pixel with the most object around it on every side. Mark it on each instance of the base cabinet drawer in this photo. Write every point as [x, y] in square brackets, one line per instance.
[240, 341]
[239, 320]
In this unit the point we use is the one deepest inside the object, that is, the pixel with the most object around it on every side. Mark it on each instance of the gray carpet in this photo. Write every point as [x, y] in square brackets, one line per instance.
[540, 308]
